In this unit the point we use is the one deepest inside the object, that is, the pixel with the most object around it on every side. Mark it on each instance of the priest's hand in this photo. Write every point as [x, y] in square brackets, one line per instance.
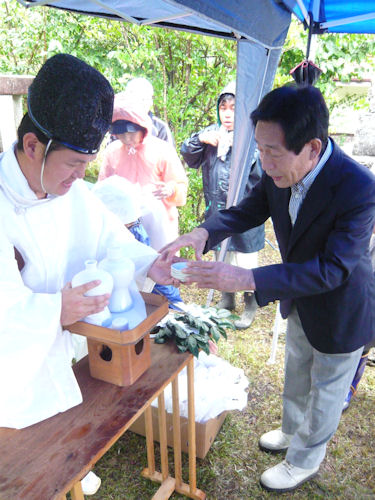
[75, 306]
[160, 272]
[219, 276]
[196, 239]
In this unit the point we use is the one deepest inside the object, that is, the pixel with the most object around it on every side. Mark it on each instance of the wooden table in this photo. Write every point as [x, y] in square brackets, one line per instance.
[48, 459]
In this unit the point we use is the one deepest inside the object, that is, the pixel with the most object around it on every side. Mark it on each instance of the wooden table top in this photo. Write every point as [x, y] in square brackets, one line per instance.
[45, 460]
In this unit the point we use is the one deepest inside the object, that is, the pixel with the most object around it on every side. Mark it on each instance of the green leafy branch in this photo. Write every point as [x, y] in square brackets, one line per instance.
[192, 331]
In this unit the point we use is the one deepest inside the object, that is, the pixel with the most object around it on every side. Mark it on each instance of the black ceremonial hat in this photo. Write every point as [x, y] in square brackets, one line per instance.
[71, 102]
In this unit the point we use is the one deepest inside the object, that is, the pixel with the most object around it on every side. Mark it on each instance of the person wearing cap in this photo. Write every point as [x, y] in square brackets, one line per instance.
[141, 91]
[211, 150]
[51, 224]
[145, 160]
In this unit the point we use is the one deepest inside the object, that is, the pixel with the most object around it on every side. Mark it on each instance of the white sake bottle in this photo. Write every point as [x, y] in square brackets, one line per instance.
[91, 273]
[122, 270]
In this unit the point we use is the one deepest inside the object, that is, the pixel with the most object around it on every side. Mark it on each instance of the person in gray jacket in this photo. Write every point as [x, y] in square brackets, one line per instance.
[211, 150]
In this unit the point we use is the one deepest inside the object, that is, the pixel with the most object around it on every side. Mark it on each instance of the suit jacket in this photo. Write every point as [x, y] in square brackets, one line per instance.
[326, 267]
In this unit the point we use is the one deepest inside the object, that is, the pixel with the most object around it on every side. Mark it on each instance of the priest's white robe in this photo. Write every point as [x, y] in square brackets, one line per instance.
[54, 237]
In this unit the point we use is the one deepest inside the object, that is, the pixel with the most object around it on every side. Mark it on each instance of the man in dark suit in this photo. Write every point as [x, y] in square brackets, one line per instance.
[322, 205]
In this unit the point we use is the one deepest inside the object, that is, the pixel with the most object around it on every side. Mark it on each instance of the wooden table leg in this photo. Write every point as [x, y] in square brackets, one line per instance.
[163, 436]
[190, 490]
[149, 441]
[176, 434]
[168, 483]
[191, 428]
[76, 492]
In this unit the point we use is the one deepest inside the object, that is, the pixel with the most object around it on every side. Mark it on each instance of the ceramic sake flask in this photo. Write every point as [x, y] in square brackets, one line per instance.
[91, 273]
[122, 270]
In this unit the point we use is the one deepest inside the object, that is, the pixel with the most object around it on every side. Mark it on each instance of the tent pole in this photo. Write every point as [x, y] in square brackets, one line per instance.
[309, 36]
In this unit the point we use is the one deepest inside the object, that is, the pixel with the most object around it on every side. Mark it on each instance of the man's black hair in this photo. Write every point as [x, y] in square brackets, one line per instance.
[27, 126]
[300, 111]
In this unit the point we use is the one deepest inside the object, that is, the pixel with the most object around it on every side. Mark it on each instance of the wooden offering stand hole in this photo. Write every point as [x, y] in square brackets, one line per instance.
[106, 353]
[139, 347]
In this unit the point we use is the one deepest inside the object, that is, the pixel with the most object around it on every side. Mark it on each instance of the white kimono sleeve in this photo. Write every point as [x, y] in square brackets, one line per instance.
[36, 378]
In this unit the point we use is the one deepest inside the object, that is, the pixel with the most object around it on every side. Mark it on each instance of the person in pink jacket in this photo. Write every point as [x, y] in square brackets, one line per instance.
[145, 160]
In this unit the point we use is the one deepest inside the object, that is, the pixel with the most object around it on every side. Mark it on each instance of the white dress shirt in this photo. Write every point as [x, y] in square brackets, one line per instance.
[299, 190]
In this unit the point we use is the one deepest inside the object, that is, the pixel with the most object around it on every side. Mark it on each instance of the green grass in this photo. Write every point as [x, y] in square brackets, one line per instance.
[232, 467]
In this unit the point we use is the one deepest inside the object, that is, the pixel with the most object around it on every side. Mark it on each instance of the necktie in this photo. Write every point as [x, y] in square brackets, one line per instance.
[294, 203]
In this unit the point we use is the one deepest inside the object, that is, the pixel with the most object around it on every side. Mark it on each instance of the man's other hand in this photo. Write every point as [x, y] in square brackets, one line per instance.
[219, 276]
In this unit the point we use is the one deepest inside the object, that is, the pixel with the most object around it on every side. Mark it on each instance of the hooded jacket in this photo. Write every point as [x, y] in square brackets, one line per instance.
[151, 161]
[215, 172]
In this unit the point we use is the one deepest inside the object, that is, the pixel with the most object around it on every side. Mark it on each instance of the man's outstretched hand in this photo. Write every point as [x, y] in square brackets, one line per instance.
[196, 239]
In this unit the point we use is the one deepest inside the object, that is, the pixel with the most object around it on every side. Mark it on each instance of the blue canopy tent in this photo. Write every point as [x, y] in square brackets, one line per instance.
[335, 16]
[259, 27]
